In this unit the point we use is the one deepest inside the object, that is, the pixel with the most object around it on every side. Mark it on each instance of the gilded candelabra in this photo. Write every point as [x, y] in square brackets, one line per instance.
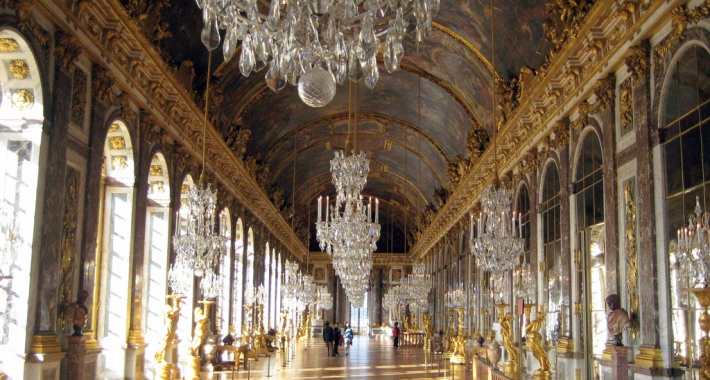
[194, 361]
[428, 331]
[510, 367]
[258, 341]
[703, 297]
[458, 356]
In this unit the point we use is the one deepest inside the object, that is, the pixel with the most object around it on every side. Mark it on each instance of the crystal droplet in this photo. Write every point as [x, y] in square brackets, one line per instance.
[246, 59]
[272, 77]
[372, 74]
[389, 56]
[210, 33]
[368, 40]
[230, 44]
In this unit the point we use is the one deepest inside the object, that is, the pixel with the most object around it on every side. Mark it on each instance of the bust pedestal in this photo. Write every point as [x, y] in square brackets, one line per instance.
[619, 362]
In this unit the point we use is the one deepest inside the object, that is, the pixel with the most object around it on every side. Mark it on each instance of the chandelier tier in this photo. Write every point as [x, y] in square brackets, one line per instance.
[496, 236]
[694, 247]
[295, 38]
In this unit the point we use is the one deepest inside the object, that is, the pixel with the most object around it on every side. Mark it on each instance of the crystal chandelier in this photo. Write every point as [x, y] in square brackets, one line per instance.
[324, 300]
[180, 277]
[211, 284]
[198, 245]
[455, 298]
[694, 247]
[498, 241]
[315, 43]
[525, 283]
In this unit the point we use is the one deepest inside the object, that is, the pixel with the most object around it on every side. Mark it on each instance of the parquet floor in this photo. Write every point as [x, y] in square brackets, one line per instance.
[368, 359]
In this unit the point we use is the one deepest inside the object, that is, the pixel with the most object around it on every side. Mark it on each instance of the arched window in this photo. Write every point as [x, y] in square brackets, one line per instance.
[156, 248]
[185, 321]
[238, 276]
[591, 272]
[522, 206]
[21, 125]
[551, 249]
[686, 137]
[225, 273]
[116, 247]
[249, 272]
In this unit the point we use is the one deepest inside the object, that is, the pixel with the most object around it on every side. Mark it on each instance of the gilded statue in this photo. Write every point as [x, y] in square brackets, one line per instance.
[618, 320]
[428, 331]
[406, 323]
[476, 142]
[171, 314]
[77, 312]
[534, 339]
[458, 168]
[506, 331]
[201, 321]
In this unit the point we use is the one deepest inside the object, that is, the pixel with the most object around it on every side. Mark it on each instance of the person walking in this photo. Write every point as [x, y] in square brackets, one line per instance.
[328, 337]
[336, 338]
[395, 334]
[348, 337]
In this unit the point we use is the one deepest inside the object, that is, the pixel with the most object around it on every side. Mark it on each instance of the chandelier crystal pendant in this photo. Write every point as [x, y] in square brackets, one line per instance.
[694, 247]
[302, 40]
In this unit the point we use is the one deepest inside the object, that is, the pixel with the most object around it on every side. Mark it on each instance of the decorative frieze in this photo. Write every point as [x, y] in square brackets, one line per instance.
[78, 100]
[68, 245]
[66, 50]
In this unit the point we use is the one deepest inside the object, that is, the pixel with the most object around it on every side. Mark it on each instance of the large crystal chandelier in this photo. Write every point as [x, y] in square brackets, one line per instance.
[324, 301]
[694, 247]
[198, 245]
[315, 43]
[496, 235]
[455, 298]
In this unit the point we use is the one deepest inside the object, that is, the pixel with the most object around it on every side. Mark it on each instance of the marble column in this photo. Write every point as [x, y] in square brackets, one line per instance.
[650, 352]
[566, 240]
[611, 213]
[92, 213]
[48, 257]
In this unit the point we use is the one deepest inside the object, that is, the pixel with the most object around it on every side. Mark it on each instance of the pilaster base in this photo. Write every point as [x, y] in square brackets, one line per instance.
[649, 357]
[44, 366]
[510, 369]
[542, 375]
[136, 346]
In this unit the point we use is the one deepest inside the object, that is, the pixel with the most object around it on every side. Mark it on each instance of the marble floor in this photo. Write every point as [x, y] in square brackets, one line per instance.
[368, 359]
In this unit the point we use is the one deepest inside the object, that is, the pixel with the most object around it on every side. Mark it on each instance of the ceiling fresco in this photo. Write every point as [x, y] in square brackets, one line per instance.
[423, 112]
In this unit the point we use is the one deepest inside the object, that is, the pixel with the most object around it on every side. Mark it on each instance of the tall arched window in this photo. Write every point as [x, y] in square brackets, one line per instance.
[21, 125]
[237, 307]
[116, 247]
[249, 272]
[591, 272]
[551, 249]
[156, 247]
[279, 282]
[225, 273]
[686, 137]
[185, 322]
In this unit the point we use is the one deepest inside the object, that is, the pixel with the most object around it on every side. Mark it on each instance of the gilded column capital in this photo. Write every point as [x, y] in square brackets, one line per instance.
[639, 61]
[66, 50]
[102, 82]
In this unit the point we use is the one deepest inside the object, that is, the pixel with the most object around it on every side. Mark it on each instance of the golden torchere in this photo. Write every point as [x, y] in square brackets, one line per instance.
[428, 331]
[510, 367]
[202, 319]
[458, 356]
[703, 297]
[172, 315]
[532, 332]
[258, 341]
[450, 337]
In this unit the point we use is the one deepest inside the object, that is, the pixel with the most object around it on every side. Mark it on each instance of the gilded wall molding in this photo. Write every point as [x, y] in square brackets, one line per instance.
[68, 244]
[631, 258]
[66, 50]
[540, 107]
[682, 16]
[138, 68]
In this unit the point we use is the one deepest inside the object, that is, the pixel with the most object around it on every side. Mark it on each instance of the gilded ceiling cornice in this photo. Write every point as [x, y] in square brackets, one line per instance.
[552, 94]
[465, 43]
[113, 38]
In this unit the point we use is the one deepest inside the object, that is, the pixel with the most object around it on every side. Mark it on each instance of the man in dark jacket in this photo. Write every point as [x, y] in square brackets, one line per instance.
[328, 337]
[336, 339]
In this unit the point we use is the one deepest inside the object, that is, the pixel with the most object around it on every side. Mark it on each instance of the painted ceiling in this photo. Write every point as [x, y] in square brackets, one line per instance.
[413, 123]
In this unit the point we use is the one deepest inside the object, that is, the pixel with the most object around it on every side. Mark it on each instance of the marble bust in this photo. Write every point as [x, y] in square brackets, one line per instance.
[618, 320]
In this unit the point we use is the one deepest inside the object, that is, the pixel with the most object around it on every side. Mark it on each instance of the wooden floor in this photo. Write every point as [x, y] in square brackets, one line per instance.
[368, 359]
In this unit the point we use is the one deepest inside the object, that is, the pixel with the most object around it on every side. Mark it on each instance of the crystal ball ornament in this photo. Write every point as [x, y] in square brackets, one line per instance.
[316, 87]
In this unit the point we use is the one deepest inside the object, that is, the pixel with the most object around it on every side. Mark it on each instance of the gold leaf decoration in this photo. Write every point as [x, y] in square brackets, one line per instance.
[119, 162]
[185, 189]
[8, 45]
[626, 107]
[23, 99]
[19, 69]
[156, 170]
[157, 187]
[114, 128]
[117, 142]
[78, 101]
[71, 201]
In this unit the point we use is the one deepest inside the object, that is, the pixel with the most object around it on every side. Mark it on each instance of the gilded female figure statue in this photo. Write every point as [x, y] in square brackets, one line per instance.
[200, 332]
[506, 331]
[171, 314]
[535, 340]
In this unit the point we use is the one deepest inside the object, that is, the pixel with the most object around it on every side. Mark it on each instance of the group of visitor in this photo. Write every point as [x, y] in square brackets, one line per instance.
[334, 337]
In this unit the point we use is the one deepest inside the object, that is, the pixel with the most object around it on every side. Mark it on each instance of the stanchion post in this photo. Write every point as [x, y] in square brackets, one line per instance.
[268, 366]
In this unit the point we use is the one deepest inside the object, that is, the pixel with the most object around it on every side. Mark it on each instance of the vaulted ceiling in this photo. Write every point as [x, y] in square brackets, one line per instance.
[413, 123]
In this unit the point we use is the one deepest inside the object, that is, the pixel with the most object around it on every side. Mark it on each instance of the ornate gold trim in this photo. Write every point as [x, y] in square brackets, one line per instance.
[649, 358]
[23, 99]
[45, 344]
[69, 228]
[465, 43]
[8, 45]
[19, 68]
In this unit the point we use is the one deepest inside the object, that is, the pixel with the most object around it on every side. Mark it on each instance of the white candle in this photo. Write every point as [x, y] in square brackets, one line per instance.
[327, 208]
[369, 210]
[471, 226]
[520, 225]
[377, 210]
[320, 199]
